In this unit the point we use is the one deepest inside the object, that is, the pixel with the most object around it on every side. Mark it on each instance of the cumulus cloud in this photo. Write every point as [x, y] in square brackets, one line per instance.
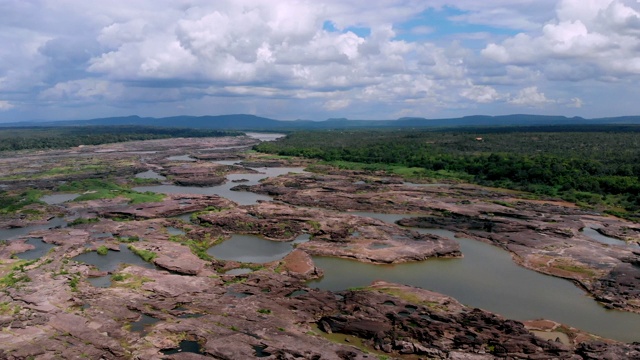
[530, 97]
[601, 34]
[86, 89]
[480, 94]
[282, 57]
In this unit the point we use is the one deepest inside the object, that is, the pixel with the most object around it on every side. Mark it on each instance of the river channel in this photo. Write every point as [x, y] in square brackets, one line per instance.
[486, 277]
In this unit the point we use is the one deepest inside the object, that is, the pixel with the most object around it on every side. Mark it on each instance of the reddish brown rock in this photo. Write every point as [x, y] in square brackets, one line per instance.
[299, 264]
[333, 234]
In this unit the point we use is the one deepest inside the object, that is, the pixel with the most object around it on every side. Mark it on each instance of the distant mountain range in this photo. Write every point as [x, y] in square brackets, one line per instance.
[252, 122]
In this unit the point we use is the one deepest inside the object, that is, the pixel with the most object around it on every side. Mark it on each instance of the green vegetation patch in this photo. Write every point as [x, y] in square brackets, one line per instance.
[574, 268]
[94, 189]
[198, 247]
[74, 280]
[7, 308]
[15, 203]
[594, 166]
[145, 255]
[102, 250]
[128, 240]
[60, 137]
[129, 281]
[13, 278]
[80, 221]
[348, 340]
[15, 273]
[142, 181]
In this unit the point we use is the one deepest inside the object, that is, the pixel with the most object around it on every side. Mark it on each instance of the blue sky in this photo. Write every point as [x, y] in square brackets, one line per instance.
[384, 59]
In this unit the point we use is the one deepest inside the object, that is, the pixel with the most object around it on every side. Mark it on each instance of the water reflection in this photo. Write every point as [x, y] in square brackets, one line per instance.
[265, 136]
[150, 174]
[113, 259]
[6, 234]
[110, 263]
[595, 235]
[143, 323]
[41, 248]
[488, 278]
[56, 199]
[174, 231]
[238, 271]
[181, 158]
[224, 190]
[184, 346]
[250, 249]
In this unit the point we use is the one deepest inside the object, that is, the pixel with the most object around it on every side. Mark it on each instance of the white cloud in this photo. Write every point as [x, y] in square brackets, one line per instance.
[576, 103]
[333, 105]
[530, 97]
[87, 89]
[601, 33]
[480, 94]
[5, 105]
[275, 55]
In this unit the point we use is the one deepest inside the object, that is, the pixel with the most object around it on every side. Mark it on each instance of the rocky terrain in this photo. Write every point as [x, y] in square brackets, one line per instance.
[175, 300]
[548, 237]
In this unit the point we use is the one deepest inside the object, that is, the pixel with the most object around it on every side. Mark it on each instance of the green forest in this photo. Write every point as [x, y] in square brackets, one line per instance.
[22, 138]
[594, 166]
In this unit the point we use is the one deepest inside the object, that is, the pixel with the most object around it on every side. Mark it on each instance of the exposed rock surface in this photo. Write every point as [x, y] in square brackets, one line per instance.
[334, 234]
[172, 205]
[545, 236]
[299, 264]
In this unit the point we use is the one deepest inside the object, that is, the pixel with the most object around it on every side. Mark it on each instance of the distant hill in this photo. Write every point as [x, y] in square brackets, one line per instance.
[252, 122]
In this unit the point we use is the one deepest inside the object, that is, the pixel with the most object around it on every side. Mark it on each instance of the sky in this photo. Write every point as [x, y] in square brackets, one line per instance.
[378, 59]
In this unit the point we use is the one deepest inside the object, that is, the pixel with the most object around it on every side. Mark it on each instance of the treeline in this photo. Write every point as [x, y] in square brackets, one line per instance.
[600, 167]
[65, 137]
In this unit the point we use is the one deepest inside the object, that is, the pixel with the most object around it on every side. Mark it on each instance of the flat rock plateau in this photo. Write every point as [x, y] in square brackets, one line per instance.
[184, 303]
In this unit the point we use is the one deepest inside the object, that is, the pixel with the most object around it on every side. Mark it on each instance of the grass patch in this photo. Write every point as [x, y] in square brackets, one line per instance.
[128, 240]
[80, 221]
[349, 340]
[102, 250]
[145, 255]
[74, 281]
[573, 268]
[120, 277]
[15, 274]
[503, 203]
[198, 247]
[7, 308]
[13, 203]
[314, 224]
[13, 278]
[129, 281]
[142, 181]
[264, 311]
[95, 189]
[411, 298]
[145, 197]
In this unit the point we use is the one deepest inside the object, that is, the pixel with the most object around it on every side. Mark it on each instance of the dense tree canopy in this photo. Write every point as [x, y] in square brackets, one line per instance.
[597, 165]
[65, 137]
